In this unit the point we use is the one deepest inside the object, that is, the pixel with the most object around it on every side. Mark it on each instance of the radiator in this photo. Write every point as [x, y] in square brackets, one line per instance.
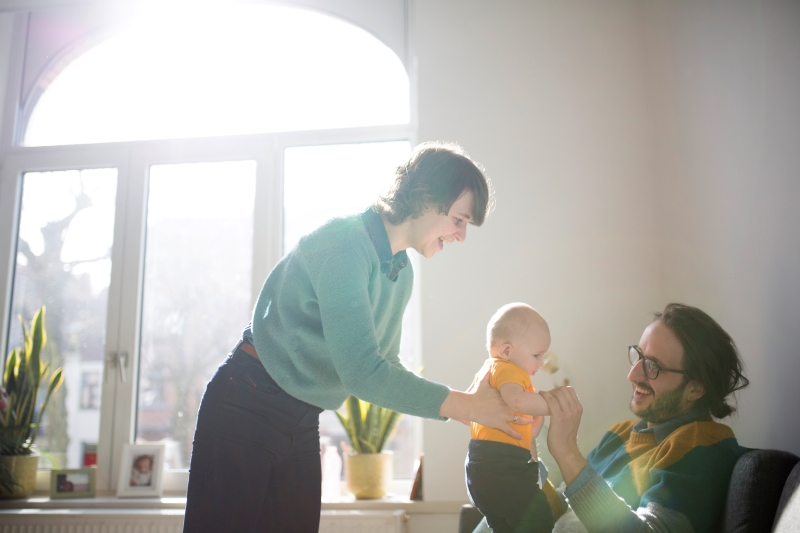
[363, 522]
[171, 521]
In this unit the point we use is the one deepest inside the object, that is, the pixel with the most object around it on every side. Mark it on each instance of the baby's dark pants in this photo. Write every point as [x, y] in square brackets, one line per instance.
[503, 485]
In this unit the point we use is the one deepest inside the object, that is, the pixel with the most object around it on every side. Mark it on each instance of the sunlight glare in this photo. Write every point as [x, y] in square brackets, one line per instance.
[206, 191]
[322, 182]
[221, 71]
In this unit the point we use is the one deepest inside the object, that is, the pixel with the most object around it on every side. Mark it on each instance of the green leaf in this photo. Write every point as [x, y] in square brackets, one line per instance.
[354, 413]
[348, 428]
[38, 332]
[368, 426]
[388, 425]
[372, 425]
[38, 339]
[10, 376]
[367, 446]
[55, 383]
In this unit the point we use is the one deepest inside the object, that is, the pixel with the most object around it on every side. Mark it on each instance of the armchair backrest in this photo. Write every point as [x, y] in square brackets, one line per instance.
[787, 518]
[755, 490]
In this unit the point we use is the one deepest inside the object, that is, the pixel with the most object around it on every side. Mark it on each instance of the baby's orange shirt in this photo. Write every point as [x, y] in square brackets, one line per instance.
[500, 373]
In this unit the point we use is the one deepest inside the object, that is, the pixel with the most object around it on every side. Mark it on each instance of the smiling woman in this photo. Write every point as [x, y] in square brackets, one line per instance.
[327, 325]
[234, 70]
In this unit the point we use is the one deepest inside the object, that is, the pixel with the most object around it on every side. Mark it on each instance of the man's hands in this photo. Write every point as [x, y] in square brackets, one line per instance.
[482, 404]
[562, 434]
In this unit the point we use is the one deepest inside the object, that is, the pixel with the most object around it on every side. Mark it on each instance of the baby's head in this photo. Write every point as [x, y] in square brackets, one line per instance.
[517, 333]
[143, 464]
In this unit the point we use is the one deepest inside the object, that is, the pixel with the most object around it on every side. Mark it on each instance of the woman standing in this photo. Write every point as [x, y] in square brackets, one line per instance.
[326, 325]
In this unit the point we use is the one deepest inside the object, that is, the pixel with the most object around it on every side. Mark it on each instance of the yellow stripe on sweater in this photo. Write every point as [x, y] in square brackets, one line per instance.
[647, 456]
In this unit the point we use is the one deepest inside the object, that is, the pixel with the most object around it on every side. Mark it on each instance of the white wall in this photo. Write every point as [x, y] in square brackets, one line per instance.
[642, 153]
[726, 84]
[551, 97]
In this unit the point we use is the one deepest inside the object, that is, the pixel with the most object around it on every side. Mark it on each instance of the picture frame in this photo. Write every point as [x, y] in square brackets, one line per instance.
[72, 483]
[141, 471]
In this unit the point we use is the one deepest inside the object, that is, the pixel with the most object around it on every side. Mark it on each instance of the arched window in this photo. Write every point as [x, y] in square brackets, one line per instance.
[239, 70]
[260, 122]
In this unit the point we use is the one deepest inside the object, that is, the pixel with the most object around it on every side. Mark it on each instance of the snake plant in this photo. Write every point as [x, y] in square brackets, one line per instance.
[368, 426]
[25, 372]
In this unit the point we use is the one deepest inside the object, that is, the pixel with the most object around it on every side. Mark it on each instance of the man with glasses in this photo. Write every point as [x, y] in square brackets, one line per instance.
[668, 471]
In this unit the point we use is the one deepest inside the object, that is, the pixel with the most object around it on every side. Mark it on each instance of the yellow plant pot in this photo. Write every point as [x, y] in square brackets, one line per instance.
[23, 470]
[368, 475]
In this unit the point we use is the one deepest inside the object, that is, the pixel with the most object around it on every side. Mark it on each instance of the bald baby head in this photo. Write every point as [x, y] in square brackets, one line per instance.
[512, 322]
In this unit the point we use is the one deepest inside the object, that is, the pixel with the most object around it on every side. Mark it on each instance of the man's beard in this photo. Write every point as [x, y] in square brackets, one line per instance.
[666, 407]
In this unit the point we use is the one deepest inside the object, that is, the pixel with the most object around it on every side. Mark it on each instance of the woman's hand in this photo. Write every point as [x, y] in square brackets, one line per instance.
[482, 404]
[480, 376]
[562, 434]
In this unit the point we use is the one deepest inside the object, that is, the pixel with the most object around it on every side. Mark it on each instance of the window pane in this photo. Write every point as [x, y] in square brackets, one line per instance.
[64, 262]
[197, 296]
[221, 71]
[322, 182]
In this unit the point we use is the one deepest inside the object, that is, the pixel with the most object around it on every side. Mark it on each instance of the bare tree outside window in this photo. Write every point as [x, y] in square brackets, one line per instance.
[63, 262]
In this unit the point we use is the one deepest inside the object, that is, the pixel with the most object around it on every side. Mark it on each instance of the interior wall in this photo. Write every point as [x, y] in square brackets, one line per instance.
[551, 97]
[725, 78]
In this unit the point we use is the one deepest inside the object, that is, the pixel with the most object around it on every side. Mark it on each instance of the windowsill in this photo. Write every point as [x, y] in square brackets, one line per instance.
[178, 503]
[174, 500]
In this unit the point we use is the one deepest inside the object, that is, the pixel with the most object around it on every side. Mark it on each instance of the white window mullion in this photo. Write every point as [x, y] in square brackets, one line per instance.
[123, 407]
[106, 456]
[267, 216]
[10, 189]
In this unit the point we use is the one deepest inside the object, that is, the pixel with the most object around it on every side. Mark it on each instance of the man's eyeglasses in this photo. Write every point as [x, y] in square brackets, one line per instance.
[651, 368]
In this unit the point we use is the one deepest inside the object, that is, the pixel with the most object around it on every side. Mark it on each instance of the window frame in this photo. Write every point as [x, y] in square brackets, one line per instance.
[132, 160]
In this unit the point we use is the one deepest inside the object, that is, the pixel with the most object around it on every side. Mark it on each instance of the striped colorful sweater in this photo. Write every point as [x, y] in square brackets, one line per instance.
[643, 480]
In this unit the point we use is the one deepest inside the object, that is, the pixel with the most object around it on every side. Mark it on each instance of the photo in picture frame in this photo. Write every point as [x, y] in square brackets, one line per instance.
[141, 471]
[72, 483]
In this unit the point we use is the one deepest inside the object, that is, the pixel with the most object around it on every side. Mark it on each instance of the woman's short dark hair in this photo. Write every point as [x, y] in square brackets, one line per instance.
[710, 356]
[436, 174]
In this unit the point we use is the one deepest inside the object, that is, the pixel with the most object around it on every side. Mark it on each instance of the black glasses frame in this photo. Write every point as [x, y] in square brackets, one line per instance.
[648, 364]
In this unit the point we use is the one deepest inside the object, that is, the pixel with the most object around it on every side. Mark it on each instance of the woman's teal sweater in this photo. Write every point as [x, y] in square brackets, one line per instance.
[327, 323]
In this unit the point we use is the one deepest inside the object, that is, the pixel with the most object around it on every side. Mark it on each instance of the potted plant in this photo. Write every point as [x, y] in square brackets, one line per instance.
[20, 417]
[368, 469]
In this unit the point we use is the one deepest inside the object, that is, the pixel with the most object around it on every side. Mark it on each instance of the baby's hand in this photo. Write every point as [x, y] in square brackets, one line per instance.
[536, 426]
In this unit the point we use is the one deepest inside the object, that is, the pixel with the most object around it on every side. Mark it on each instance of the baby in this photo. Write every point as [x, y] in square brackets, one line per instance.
[503, 474]
[142, 471]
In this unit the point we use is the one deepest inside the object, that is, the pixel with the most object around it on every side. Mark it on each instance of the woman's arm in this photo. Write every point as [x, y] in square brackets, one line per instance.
[521, 401]
[482, 405]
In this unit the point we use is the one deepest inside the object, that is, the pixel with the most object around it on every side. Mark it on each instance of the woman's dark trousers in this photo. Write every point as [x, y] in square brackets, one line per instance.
[255, 463]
